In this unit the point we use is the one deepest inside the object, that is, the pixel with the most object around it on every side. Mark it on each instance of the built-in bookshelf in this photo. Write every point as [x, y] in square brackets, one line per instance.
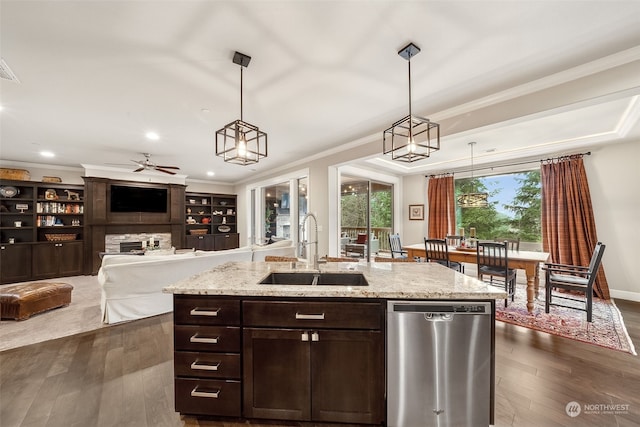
[41, 230]
[211, 221]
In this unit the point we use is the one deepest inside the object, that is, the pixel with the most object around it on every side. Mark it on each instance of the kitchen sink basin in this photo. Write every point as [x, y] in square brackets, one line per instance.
[307, 278]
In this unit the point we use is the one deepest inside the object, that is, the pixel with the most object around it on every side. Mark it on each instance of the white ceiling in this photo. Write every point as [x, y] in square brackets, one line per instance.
[96, 75]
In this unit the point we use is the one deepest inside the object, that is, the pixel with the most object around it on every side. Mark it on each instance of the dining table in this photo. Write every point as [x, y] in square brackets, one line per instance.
[529, 261]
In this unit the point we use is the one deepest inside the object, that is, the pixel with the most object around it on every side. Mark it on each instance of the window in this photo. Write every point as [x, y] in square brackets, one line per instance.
[514, 206]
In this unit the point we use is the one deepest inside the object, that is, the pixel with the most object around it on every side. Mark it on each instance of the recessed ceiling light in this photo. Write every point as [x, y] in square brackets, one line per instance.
[211, 173]
[205, 110]
[152, 136]
[47, 154]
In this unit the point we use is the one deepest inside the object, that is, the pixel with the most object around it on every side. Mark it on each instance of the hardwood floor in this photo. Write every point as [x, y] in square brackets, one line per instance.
[123, 376]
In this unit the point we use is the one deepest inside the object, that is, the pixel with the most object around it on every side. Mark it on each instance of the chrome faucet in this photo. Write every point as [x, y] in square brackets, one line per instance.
[304, 244]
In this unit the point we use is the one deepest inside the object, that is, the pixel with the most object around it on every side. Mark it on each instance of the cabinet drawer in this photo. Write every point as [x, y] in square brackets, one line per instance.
[205, 310]
[206, 365]
[208, 397]
[207, 338]
[300, 314]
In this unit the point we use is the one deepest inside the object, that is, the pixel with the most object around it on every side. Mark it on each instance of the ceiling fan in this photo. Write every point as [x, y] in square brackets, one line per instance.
[147, 164]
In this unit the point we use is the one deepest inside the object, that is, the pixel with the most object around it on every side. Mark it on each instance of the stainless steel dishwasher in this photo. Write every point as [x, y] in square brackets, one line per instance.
[439, 363]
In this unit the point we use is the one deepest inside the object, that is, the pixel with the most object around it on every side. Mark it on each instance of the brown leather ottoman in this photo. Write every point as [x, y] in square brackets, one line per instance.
[19, 302]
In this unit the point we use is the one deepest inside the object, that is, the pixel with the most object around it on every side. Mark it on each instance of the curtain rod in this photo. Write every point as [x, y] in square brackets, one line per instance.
[551, 159]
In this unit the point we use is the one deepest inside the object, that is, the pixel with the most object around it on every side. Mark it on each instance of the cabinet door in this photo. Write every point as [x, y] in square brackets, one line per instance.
[15, 262]
[226, 241]
[203, 242]
[347, 376]
[276, 374]
[70, 259]
[45, 260]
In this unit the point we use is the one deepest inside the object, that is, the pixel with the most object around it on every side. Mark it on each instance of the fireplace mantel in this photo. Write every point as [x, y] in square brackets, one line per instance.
[99, 221]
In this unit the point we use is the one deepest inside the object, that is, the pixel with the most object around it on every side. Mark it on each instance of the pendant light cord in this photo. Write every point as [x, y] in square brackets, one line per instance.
[472, 144]
[241, 118]
[410, 115]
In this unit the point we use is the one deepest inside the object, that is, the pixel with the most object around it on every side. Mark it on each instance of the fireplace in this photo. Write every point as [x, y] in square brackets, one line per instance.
[127, 242]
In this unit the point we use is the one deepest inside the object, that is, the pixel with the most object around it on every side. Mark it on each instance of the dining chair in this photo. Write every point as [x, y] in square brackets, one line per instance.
[512, 244]
[453, 240]
[437, 250]
[396, 246]
[361, 239]
[573, 278]
[385, 259]
[276, 258]
[493, 261]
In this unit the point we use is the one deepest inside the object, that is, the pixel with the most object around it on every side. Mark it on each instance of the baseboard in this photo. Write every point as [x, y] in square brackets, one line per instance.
[631, 296]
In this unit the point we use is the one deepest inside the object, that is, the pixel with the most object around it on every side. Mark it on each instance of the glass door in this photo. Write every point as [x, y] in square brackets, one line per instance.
[277, 217]
[366, 217]
[277, 208]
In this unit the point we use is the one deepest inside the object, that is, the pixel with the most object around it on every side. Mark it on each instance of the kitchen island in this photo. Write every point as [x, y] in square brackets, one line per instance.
[291, 351]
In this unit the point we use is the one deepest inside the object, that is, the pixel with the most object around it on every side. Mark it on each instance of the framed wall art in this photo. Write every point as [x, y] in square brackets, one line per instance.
[416, 212]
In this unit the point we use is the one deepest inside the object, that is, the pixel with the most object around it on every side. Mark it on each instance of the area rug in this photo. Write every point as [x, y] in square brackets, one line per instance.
[607, 329]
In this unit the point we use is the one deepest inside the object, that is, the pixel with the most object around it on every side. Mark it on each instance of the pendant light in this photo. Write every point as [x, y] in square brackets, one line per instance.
[240, 142]
[473, 200]
[412, 138]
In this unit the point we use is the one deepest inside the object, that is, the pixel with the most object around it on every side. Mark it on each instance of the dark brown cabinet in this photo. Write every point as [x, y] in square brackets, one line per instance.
[347, 377]
[226, 241]
[15, 263]
[213, 242]
[322, 374]
[57, 259]
[277, 380]
[202, 242]
[207, 356]
[311, 360]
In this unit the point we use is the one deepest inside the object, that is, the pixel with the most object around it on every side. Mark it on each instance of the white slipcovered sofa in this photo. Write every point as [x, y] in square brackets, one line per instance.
[132, 285]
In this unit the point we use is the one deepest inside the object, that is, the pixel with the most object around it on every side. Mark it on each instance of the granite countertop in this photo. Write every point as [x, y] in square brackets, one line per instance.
[386, 280]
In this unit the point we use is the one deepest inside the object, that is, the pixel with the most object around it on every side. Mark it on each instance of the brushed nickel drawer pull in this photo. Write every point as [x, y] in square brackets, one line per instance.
[195, 338]
[195, 365]
[198, 312]
[300, 316]
[196, 393]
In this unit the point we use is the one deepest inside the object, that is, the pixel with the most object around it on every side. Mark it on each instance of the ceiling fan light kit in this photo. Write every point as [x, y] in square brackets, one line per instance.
[147, 164]
[240, 142]
[412, 138]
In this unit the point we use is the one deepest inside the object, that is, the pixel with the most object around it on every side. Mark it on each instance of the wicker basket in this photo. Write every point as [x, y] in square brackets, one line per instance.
[15, 174]
[198, 231]
[60, 237]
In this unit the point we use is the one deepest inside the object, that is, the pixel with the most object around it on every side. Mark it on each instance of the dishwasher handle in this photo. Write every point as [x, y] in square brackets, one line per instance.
[438, 317]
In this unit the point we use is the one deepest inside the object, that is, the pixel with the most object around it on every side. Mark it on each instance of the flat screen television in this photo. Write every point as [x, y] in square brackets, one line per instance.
[138, 199]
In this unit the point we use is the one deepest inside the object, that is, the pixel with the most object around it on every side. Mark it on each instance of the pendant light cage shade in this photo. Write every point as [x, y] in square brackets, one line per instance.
[473, 200]
[411, 139]
[241, 143]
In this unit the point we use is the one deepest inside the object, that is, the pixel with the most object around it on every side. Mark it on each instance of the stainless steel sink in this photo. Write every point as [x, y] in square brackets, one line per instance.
[308, 278]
